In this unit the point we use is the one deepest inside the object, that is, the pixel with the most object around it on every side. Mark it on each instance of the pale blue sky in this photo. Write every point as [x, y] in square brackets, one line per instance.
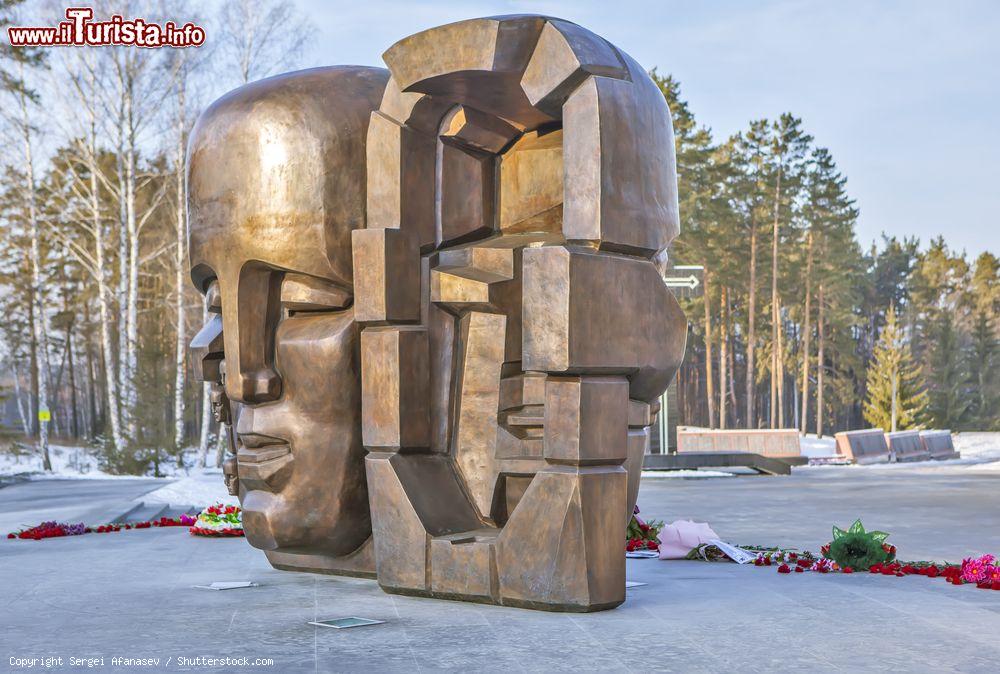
[904, 94]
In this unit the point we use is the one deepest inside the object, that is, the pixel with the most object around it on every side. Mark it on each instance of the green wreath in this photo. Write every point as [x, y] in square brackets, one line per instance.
[859, 549]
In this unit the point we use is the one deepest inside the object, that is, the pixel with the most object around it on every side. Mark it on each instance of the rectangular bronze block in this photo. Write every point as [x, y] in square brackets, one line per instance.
[463, 567]
[586, 311]
[386, 276]
[586, 419]
[384, 174]
[531, 185]
[394, 395]
[466, 195]
[476, 129]
[400, 537]
[639, 215]
[561, 547]
[400, 182]
[640, 414]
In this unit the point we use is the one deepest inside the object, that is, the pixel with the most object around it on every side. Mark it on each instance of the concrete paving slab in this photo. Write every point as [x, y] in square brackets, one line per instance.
[130, 594]
[30, 502]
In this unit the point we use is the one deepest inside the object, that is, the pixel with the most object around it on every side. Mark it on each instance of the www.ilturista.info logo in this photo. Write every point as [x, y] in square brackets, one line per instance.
[80, 30]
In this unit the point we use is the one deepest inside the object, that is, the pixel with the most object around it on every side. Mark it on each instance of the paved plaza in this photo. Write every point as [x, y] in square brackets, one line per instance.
[130, 594]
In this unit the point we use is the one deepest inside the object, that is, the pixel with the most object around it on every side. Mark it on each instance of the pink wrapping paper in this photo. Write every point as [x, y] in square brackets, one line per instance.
[678, 538]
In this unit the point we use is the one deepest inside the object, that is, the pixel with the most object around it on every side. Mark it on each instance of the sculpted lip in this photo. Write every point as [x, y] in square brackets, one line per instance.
[259, 448]
[265, 462]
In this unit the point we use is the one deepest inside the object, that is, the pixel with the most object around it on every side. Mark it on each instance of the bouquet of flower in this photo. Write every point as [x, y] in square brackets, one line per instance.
[219, 520]
[859, 549]
[642, 535]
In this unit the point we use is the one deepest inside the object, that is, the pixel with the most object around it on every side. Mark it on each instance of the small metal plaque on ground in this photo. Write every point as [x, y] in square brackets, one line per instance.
[227, 585]
[633, 583]
[344, 623]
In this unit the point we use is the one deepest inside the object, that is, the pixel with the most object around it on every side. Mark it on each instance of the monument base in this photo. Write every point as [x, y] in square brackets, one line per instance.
[360, 563]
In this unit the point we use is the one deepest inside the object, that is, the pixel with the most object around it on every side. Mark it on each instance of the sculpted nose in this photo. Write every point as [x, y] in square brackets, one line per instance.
[251, 315]
[257, 386]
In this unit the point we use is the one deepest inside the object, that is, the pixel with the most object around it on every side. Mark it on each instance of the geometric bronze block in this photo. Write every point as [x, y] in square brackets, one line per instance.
[386, 276]
[563, 58]
[578, 319]
[394, 378]
[601, 119]
[586, 419]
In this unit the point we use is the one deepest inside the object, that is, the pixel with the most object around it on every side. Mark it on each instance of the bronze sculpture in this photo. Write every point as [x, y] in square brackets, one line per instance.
[495, 331]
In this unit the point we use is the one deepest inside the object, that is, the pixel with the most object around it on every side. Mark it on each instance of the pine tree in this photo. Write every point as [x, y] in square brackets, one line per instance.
[896, 400]
[949, 393]
[985, 354]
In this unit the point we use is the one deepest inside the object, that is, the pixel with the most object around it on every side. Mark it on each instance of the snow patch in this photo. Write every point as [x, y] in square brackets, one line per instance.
[695, 474]
[202, 488]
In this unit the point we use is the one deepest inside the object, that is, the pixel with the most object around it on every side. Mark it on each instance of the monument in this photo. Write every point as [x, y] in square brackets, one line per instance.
[439, 329]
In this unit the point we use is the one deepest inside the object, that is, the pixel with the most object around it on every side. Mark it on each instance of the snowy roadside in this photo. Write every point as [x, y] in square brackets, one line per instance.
[188, 485]
[68, 463]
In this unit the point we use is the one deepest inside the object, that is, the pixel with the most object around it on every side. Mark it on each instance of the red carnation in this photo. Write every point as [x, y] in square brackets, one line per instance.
[799, 569]
[848, 569]
[784, 568]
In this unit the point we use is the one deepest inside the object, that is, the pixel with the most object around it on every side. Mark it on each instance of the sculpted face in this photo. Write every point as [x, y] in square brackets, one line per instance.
[277, 183]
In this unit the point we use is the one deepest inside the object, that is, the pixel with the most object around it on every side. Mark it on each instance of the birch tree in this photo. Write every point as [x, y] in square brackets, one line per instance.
[257, 38]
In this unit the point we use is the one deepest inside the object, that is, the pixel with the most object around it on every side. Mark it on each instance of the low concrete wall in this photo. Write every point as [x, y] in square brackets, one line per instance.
[906, 446]
[938, 444]
[771, 443]
[862, 447]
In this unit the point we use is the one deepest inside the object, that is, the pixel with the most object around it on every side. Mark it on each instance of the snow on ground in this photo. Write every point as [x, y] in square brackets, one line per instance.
[203, 487]
[689, 474]
[188, 485]
[68, 462]
[74, 462]
[979, 451]
[815, 447]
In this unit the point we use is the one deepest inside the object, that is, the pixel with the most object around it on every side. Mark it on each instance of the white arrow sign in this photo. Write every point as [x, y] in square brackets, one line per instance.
[691, 281]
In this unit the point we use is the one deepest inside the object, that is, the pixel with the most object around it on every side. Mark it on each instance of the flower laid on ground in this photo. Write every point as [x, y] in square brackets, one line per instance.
[49, 530]
[857, 548]
[980, 569]
[642, 535]
[219, 520]
[56, 529]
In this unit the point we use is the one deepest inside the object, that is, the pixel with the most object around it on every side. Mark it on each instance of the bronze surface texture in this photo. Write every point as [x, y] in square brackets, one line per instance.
[438, 329]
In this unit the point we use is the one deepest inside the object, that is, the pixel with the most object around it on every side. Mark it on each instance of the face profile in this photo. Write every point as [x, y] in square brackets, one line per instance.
[439, 329]
[276, 181]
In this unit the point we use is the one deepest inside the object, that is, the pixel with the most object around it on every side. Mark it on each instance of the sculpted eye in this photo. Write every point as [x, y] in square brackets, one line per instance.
[307, 293]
